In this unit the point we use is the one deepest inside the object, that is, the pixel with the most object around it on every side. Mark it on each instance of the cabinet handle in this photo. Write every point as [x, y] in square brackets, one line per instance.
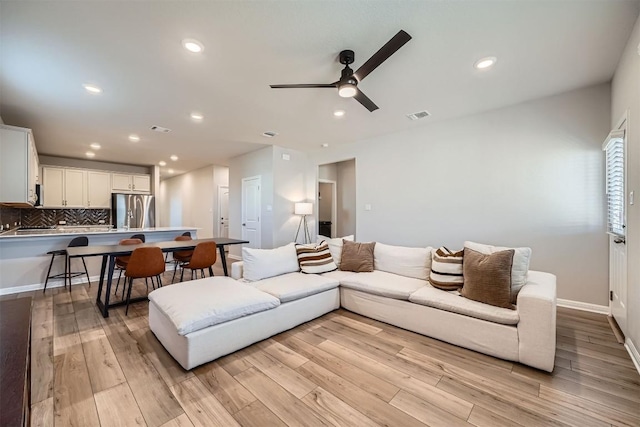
[88, 202]
[134, 186]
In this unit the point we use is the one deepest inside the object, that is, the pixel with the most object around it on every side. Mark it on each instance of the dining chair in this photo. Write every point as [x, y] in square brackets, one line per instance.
[122, 261]
[204, 256]
[181, 257]
[145, 263]
[139, 236]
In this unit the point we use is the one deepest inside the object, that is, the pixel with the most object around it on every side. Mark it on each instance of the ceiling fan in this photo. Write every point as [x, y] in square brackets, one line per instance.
[348, 84]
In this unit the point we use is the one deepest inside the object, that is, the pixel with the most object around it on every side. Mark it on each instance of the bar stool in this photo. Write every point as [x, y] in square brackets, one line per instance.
[144, 263]
[122, 261]
[68, 274]
[139, 236]
[181, 257]
[204, 256]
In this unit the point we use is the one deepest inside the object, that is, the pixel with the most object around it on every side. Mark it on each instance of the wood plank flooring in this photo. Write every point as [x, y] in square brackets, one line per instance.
[341, 369]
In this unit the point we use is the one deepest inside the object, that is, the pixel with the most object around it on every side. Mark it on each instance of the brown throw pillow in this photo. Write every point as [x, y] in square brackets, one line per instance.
[487, 278]
[357, 257]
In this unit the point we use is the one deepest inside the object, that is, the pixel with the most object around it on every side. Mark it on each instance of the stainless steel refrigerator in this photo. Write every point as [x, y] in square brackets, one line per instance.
[133, 211]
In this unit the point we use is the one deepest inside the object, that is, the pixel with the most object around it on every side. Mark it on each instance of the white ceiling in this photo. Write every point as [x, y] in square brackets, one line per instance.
[133, 51]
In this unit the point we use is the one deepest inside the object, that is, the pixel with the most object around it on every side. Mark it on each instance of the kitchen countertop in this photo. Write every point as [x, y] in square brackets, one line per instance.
[85, 230]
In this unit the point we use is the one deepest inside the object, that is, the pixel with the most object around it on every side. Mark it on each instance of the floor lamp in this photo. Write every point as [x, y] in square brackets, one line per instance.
[303, 209]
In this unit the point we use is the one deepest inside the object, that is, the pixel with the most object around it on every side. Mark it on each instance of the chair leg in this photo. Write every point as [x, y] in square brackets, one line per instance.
[182, 273]
[86, 271]
[159, 281]
[210, 271]
[118, 282]
[68, 272]
[174, 272]
[48, 273]
[126, 312]
[146, 283]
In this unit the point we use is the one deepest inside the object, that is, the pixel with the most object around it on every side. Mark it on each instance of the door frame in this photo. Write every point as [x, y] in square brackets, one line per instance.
[334, 207]
[219, 213]
[258, 244]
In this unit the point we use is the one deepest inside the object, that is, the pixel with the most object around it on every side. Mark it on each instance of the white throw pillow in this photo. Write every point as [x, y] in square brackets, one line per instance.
[335, 246]
[519, 267]
[262, 263]
[402, 260]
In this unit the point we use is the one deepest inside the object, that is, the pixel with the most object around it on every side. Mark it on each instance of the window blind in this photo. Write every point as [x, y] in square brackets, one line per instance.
[614, 148]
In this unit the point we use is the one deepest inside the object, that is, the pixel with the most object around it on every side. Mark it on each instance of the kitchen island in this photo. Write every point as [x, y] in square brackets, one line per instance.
[24, 260]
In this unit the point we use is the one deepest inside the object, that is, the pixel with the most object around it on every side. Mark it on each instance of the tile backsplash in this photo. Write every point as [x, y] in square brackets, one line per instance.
[47, 217]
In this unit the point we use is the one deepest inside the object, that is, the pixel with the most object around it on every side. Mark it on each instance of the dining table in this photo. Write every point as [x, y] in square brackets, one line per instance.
[110, 252]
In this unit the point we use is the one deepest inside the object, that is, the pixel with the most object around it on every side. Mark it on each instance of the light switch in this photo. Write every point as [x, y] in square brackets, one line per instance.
[286, 156]
[269, 208]
[631, 194]
[367, 207]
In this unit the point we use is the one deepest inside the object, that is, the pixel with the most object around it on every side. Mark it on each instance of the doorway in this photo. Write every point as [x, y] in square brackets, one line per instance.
[251, 229]
[223, 212]
[342, 177]
[327, 208]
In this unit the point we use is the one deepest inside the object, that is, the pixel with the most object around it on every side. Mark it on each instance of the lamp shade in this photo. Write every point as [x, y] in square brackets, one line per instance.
[303, 208]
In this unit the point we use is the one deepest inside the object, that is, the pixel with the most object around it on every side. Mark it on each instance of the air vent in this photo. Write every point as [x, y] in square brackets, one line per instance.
[269, 134]
[418, 115]
[160, 129]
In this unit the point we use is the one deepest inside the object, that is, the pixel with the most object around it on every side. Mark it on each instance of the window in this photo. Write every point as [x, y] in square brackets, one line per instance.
[614, 148]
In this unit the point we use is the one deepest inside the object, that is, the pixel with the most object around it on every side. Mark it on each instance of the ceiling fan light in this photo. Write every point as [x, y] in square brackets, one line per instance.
[347, 90]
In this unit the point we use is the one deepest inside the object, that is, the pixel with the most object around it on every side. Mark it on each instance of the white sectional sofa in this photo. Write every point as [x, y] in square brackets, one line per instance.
[238, 313]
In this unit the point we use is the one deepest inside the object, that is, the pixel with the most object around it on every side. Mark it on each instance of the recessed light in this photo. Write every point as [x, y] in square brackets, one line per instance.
[90, 154]
[170, 171]
[197, 117]
[134, 138]
[92, 88]
[269, 134]
[484, 63]
[95, 145]
[325, 145]
[192, 45]
[174, 157]
[162, 163]
[339, 113]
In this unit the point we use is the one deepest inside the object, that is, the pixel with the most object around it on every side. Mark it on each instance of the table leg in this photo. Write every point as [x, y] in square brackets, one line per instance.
[102, 270]
[223, 258]
[112, 263]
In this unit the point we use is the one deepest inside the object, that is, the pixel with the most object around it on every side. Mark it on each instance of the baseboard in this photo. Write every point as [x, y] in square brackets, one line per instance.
[59, 284]
[584, 306]
[633, 352]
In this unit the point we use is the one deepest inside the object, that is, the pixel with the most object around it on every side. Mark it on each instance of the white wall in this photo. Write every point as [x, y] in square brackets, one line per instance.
[328, 172]
[528, 175]
[191, 199]
[625, 94]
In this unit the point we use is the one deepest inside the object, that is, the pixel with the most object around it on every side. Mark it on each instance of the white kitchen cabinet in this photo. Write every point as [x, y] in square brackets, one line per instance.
[129, 183]
[64, 187]
[18, 166]
[98, 189]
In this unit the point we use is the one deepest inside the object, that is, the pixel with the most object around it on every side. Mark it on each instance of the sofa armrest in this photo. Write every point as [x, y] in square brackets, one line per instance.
[237, 270]
[537, 326]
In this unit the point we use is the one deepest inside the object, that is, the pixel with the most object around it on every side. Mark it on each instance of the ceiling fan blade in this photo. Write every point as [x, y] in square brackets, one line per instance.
[383, 54]
[365, 101]
[303, 86]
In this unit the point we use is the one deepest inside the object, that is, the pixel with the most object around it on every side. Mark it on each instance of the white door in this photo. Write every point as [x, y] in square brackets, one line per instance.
[223, 211]
[53, 187]
[120, 182]
[251, 211]
[98, 189]
[75, 188]
[616, 189]
[141, 183]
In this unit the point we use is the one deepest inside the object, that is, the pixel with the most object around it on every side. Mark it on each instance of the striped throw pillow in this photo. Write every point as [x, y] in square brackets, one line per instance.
[446, 269]
[315, 259]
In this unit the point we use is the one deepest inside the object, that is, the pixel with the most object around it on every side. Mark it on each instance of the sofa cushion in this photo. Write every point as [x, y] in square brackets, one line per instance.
[293, 286]
[487, 278]
[335, 246]
[519, 268]
[315, 259]
[446, 269]
[357, 257]
[197, 304]
[384, 284]
[453, 302]
[338, 275]
[402, 260]
[262, 263]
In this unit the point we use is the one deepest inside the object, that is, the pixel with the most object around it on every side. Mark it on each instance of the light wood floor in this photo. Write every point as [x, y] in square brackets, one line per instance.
[341, 369]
